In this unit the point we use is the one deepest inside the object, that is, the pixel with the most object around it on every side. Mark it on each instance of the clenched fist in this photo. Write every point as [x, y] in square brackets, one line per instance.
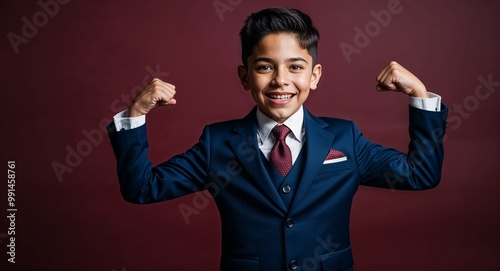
[395, 77]
[156, 93]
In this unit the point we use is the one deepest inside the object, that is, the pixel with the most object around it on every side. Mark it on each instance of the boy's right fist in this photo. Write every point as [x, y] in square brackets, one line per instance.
[156, 93]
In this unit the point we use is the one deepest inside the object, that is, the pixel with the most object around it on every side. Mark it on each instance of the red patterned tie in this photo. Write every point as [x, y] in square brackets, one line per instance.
[281, 156]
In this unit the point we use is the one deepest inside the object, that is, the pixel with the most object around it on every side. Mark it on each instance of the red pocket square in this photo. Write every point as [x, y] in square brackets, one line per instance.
[333, 154]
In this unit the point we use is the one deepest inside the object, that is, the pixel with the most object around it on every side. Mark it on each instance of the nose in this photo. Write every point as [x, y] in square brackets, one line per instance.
[280, 78]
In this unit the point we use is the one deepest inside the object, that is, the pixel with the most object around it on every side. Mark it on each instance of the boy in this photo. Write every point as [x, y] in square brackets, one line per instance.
[283, 179]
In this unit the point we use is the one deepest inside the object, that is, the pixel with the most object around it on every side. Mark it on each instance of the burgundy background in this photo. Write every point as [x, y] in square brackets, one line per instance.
[71, 75]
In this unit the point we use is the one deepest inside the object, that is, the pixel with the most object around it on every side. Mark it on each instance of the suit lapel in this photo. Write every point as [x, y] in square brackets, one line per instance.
[317, 146]
[245, 140]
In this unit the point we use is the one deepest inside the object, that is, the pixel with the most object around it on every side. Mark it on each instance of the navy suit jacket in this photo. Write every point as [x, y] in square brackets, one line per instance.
[260, 231]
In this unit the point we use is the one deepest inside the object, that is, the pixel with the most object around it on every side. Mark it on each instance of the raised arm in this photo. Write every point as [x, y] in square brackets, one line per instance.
[420, 167]
[140, 181]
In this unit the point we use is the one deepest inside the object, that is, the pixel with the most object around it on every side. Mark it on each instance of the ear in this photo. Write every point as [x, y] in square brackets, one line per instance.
[315, 76]
[243, 75]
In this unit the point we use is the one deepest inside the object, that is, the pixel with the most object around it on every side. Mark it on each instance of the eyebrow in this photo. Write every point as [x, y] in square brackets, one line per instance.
[267, 59]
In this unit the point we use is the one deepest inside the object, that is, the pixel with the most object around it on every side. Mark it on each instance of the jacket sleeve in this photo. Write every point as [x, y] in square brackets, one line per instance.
[418, 169]
[140, 182]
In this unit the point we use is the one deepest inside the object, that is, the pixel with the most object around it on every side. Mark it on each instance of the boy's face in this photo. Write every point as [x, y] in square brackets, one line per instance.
[279, 75]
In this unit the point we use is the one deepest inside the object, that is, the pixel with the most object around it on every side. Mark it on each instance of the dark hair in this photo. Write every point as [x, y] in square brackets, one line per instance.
[278, 20]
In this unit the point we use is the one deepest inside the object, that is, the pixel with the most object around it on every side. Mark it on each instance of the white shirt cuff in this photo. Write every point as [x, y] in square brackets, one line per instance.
[433, 103]
[124, 123]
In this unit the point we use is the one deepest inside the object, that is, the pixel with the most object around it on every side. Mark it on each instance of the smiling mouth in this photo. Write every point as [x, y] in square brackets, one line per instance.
[281, 97]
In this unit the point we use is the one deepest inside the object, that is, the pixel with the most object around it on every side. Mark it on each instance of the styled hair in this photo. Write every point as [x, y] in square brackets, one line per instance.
[279, 20]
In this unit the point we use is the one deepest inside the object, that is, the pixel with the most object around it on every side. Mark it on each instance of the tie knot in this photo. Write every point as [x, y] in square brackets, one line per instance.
[281, 131]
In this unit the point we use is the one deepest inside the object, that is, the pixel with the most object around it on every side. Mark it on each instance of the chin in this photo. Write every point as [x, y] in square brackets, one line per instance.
[280, 117]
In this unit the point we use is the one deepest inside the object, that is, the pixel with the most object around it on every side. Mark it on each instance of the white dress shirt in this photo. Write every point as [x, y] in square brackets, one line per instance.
[295, 140]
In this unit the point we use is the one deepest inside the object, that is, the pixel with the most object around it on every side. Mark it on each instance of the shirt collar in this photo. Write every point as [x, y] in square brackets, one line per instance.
[265, 125]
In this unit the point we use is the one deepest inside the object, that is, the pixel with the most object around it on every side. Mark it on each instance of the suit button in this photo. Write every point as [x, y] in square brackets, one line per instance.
[293, 265]
[286, 189]
[289, 223]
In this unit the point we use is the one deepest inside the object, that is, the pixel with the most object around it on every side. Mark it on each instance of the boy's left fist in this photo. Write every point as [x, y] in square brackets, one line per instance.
[395, 77]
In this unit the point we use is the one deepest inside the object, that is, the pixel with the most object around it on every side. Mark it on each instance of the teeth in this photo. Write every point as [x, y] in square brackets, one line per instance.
[281, 97]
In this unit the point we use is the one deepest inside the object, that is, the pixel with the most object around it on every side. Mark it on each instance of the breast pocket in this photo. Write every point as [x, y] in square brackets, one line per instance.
[335, 167]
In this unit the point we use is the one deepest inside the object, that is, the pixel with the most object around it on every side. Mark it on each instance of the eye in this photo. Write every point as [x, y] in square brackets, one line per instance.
[266, 67]
[296, 67]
